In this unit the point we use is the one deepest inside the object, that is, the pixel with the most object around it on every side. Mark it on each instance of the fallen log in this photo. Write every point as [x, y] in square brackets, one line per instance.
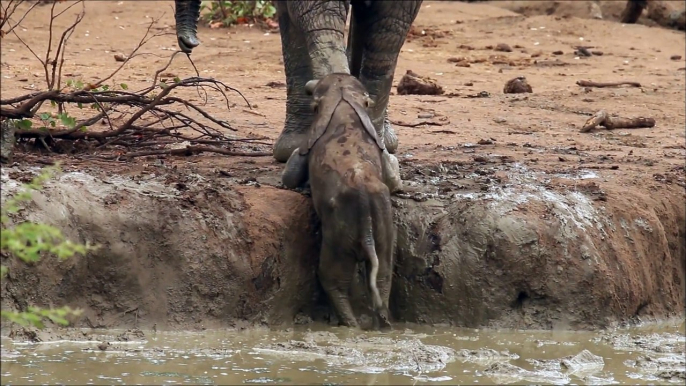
[602, 118]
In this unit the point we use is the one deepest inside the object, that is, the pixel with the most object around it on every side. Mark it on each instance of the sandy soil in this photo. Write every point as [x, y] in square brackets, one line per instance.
[475, 146]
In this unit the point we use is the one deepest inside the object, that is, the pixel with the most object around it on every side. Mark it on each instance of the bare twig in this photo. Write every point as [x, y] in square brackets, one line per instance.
[590, 83]
[133, 54]
[420, 123]
[7, 14]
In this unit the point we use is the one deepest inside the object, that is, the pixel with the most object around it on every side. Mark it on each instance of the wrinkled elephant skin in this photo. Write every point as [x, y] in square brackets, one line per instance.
[312, 40]
[343, 157]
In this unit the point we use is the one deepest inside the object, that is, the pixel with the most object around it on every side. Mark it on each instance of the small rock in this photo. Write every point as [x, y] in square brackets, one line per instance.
[459, 61]
[415, 84]
[499, 120]
[558, 52]
[120, 57]
[598, 53]
[103, 346]
[502, 47]
[582, 51]
[675, 57]
[276, 84]
[517, 85]
[485, 142]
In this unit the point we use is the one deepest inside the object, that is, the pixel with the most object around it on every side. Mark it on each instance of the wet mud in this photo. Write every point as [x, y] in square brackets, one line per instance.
[323, 355]
[487, 244]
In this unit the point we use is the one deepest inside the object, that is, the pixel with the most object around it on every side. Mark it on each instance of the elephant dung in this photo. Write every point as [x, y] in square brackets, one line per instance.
[415, 84]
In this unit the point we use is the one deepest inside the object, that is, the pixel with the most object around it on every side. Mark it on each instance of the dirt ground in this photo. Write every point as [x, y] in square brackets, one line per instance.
[511, 216]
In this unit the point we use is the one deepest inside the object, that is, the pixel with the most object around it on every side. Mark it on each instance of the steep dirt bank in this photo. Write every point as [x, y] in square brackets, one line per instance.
[478, 245]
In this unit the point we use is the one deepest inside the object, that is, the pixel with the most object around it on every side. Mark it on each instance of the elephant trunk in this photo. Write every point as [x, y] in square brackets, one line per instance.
[187, 14]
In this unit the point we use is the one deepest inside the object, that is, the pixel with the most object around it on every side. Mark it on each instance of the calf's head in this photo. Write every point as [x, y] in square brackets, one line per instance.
[327, 93]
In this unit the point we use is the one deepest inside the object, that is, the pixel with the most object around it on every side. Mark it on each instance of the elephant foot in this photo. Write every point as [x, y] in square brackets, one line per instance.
[296, 171]
[348, 321]
[286, 143]
[389, 136]
[391, 172]
[382, 322]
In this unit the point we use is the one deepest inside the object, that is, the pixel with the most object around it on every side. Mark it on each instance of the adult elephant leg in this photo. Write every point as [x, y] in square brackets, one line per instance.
[298, 69]
[354, 48]
[313, 47]
[383, 26]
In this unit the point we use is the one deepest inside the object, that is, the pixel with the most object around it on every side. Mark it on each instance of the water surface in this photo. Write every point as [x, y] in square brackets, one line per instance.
[652, 354]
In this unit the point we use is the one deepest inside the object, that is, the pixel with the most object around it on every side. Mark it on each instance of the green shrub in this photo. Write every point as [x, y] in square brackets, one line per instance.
[225, 13]
[28, 241]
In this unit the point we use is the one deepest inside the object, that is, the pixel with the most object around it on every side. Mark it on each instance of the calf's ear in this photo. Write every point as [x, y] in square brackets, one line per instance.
[309, 86]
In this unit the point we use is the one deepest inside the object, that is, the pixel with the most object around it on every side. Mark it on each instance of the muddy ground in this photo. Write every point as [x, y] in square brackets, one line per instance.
[511, 216]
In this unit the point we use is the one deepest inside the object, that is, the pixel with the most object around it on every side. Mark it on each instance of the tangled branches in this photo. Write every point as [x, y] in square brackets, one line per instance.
[152, 120]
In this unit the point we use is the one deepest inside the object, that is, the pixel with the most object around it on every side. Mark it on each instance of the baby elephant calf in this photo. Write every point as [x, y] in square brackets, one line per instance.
[351, 177]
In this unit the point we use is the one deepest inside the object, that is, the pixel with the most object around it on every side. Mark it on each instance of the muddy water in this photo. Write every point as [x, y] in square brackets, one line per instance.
[321, 355]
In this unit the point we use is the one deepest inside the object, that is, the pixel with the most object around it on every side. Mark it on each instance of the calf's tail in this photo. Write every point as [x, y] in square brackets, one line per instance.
[368, 246]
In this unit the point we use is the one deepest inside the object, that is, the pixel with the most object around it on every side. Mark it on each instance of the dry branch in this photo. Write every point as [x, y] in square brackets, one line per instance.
[602, 118]
[136, 119]
[187, 151]
[590, 83]
[420, 123]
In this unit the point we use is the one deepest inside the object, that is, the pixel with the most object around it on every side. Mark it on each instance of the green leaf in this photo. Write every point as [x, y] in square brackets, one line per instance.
[44, 116]
[53, 103]
[105, 87]
[24, 124]
[80, 105]
[67, 120]
[124, 86]
[79, 84]
[177, 79]
[163, 85]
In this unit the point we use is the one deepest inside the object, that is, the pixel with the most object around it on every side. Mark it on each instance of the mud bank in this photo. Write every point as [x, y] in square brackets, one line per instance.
[493, 245]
